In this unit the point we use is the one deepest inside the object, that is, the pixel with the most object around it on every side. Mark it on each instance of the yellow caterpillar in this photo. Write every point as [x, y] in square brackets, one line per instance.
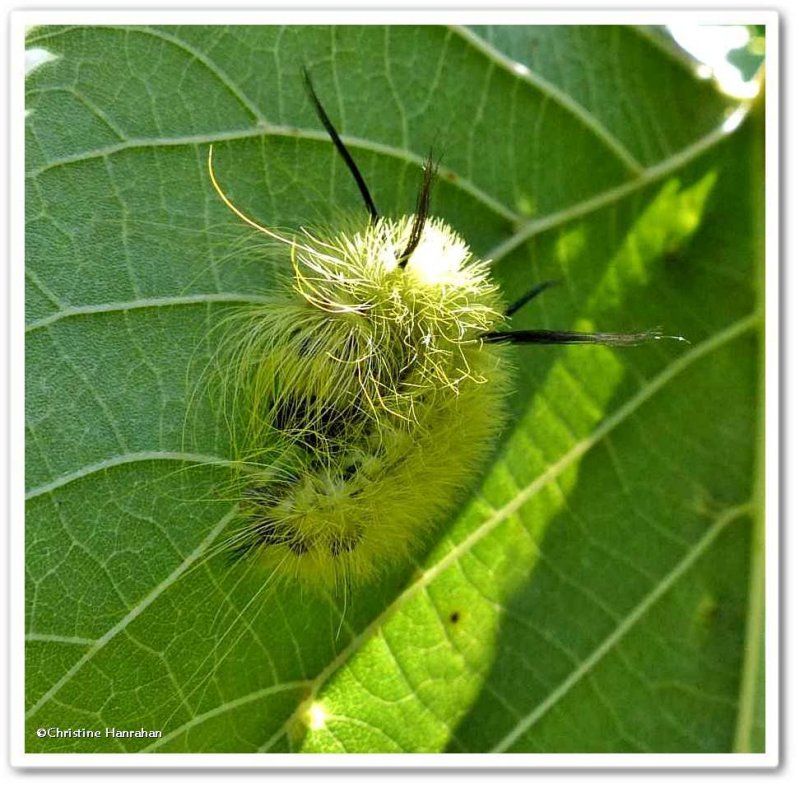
[366, 391]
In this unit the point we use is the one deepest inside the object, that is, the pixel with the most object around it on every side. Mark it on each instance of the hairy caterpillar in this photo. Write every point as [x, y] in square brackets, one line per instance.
[368, 388]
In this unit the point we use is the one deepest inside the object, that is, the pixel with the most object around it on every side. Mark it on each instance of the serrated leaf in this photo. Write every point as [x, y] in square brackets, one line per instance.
[594, 593]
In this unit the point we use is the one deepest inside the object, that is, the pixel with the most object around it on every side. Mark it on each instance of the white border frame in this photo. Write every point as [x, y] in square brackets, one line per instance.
[19, 758]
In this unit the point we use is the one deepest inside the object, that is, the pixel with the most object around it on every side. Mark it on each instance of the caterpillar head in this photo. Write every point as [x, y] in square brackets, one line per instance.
[433, 287]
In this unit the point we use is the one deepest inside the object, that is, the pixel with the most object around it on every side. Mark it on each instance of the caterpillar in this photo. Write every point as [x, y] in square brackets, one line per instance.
[369, 387]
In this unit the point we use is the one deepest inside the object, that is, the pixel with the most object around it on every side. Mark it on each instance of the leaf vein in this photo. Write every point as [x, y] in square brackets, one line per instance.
[135, 612]
[565, 101]
[121, 459]
[624, 626]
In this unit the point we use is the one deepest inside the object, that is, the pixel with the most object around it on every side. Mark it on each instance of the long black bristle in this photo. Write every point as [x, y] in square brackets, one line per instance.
[341, 148]
[422, 211]
[545, 337]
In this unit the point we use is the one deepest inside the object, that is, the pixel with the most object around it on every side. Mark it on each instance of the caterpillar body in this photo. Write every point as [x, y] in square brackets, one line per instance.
[368, 389]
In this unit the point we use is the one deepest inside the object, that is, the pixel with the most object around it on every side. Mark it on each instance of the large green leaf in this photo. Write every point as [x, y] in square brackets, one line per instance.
[599, 590]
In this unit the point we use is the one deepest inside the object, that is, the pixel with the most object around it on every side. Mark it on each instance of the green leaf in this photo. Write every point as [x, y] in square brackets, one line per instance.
[600, 588]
